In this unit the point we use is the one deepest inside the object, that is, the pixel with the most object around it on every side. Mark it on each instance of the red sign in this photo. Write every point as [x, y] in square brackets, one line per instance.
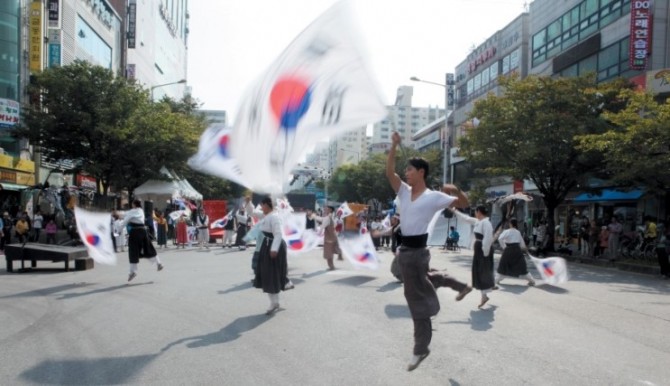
[518, 186]
[481, 59]
[87, 182]
[640, 34]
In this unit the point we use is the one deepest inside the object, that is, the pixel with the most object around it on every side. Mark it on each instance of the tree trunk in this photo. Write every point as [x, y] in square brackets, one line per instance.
[551, 225]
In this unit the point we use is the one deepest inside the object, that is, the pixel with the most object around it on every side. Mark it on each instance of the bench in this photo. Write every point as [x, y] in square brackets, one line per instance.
[47, 252]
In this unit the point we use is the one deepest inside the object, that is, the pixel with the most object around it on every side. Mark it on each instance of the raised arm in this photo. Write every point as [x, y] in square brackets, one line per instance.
[461, 198]
[463, 216]
[393, 178]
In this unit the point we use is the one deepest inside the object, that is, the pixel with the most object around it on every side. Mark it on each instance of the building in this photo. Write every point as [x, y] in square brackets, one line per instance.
[349, 148]
[216, 117]
[404, 119]
[157, 44]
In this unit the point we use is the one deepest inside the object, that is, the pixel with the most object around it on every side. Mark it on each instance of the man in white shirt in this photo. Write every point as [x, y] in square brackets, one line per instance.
[417, 205]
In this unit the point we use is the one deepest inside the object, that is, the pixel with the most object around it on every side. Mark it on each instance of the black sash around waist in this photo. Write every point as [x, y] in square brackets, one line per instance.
[419, 241]
[135, 226]
[269, 235]
[479, 236]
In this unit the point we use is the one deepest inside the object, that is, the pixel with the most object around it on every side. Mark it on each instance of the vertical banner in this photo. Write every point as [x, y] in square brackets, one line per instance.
[640, 34]
[36, 37]
[132, 23]
[54, 48]
[53, 9]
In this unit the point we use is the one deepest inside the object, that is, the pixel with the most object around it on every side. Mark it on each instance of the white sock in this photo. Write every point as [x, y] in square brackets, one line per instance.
[133, 268]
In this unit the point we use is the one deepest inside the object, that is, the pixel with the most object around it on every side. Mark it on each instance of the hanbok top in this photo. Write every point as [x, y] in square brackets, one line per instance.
[511, 236]
[483, 227]
[134, 216]
[417, 214]
[272, 224]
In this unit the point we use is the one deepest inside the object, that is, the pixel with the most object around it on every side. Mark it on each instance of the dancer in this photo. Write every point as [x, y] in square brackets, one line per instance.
[229, 232]
[330, 244]
[139, 243]
[482, 261]
[512, 263]
[417, 206]
[272, 272]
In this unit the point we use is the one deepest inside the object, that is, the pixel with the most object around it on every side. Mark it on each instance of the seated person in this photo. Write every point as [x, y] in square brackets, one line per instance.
[452, 238]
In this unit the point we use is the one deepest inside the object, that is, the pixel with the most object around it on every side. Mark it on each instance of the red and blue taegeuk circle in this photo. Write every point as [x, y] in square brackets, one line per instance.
[223, 145]
[289, 101]
[92, 239]
[364, 257]
[296, 244]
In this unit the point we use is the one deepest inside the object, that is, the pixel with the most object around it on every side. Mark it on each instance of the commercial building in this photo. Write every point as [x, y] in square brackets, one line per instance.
[216, 117]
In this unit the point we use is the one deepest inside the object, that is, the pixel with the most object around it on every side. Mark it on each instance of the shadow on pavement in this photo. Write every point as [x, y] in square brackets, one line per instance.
[101, 290]
[48, 290]
[390, 286]
[239, 287]
[313, 274]
[480, 320]
[353, 281]
[227, 334]
[513, 288]
[101, 371]
[552, 289]
[396, 311]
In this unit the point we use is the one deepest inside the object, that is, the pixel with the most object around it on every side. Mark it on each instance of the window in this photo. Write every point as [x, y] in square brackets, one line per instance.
[554, 30]
[485, 77]
[493, 71]
[514, 59]
[470, 86]
[588, 65]
[505, 64]
[93, 48]
[478, 82]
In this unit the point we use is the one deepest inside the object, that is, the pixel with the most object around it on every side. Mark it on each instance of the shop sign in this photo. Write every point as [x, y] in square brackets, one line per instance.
[481, 59]
[25, 165]
[53, 8]
[6, 161]
[658, 81]
[9, 112]
[35, 36]
[25, 179]
[6, 176]
[640, 34]
[87, 182]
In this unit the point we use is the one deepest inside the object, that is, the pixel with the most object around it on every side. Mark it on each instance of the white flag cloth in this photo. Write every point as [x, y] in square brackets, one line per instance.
[95, 231]
[359, 250]
[214, 157]
[553, 270]
[386, 223]
[343, 211]
[298, 239]
[220, 223]
[318, 87]
[283, 206]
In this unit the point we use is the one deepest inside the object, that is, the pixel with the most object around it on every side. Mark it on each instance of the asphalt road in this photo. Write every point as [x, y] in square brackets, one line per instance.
[199, 322]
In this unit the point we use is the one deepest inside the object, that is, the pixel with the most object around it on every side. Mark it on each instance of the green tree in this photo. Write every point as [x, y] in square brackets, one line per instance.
[81, 109]
[108, 125]
[529, 132]
[637, 150]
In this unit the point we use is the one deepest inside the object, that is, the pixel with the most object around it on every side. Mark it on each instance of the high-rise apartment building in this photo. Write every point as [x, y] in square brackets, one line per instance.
[404, 119]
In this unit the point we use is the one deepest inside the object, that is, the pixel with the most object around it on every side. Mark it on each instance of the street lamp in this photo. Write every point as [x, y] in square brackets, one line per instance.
[446, 150]
[165, 84]
[358, 155]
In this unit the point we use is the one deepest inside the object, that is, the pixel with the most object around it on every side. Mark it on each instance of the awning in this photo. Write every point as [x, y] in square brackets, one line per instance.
[610, 195]
[14, 187]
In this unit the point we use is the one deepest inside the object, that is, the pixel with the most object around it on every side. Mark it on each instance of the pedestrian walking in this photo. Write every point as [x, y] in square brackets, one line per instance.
[513, 262]
[229, 232]
[272, 271]
[482, 260]
[139, 242]
[417, 205]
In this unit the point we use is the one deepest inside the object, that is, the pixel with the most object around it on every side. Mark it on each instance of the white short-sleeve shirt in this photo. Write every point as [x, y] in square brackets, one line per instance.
[415, 215]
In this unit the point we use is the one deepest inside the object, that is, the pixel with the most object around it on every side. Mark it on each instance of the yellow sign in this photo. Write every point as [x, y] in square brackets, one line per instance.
[25, 166]
[25, 179]
[36, 42]
[6, 161]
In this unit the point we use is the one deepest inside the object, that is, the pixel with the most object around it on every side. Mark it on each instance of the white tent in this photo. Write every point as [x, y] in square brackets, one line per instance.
[157, 190]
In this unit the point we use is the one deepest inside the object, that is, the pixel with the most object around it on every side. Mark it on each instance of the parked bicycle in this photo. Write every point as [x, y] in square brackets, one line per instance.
[633, 246]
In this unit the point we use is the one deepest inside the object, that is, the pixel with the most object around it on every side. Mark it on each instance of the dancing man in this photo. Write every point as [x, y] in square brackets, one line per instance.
[139, 243]
[417, 205]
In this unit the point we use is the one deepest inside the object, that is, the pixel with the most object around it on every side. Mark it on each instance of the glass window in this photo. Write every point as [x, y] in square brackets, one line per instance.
[570, 71]
[554, 30]
[471, 84]
[514, 59]
[539, 39]
[485, 77]
[493, 70]
[588, 7]
[505, 64]
[478, 81]
[588, 65]
[92, 47]
[608, 57]
[624, 50]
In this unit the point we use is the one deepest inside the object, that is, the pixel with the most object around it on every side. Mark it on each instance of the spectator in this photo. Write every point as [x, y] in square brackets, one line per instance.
[51, 229]
[7, 225]
[38, 220]
[22, 229]
[615, 228]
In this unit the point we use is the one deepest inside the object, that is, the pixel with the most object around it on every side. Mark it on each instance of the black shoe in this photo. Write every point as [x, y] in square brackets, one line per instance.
[416, 361]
